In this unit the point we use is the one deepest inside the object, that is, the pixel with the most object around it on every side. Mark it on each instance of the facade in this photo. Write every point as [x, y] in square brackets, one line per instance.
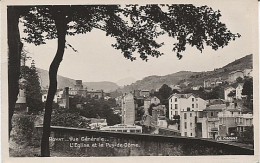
[148, 101]
[123, 128]
[44, 97]
[197, 87]
[232, 120]
[144, 93]
[20, 104]
[184, 102]
[212, 120]
[239, 89]
[128, 109]
[226, 92]
[95, 94]
[188, 123]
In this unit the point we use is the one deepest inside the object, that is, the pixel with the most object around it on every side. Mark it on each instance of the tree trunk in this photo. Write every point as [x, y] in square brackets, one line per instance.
[14, 55]
[61, 26]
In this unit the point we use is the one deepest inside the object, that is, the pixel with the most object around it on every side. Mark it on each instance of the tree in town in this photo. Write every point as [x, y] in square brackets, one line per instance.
[248, 91]
[164, 93]
[248, 88]
[150, 109]
[32, 89]
[134, 27]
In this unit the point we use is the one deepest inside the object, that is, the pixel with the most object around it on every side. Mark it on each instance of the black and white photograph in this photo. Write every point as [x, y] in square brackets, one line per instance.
[128, 79]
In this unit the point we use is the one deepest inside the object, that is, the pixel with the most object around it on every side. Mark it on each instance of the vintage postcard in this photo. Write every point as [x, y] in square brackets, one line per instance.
[130, 81]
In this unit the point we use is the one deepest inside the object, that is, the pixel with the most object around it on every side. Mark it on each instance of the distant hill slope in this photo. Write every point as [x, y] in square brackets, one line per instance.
[196, 78]
[67, 82]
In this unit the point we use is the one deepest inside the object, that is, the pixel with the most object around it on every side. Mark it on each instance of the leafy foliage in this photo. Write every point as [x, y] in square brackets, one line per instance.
[32, 88]
[248, 88]
[68, 119]
[134, 27]
[95, 108]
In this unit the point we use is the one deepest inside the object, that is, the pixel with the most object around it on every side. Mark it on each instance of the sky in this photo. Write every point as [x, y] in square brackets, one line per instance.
[96, 60]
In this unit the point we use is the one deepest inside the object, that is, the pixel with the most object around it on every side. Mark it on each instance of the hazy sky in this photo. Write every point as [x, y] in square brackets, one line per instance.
[96, 60]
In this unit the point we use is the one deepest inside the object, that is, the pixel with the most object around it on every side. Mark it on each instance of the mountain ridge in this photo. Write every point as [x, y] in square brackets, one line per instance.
[156, 81]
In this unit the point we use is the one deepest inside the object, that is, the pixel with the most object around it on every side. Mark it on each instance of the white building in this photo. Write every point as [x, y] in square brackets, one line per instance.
[128, 109]
[239, 89]
[188, 123]
[227, 91]
[123, 128]
[184, 102]
[44, 97]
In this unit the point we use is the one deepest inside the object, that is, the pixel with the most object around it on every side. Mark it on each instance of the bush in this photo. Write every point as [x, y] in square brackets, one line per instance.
[67, 119]
[24, 133]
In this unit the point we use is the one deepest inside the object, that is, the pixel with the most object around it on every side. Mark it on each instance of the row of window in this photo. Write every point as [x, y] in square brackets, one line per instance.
[188, 108]
[185, 125]
[185, 133]
[185, 115]
[192, 99]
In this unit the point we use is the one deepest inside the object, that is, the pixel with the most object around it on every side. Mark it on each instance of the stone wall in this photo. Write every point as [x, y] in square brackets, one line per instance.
[101, 143]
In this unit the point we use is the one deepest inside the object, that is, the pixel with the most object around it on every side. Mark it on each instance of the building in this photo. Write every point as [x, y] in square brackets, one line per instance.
[212, 82]
[228, 90]
[128, 109]
[79, 85]
[44, 97]
[96, 94]
[239, 89]
[212, 121]
[148, 101]
[20, 104]
[145, 93]
[197, 87]
[232, 76]
[118, 101]
[97, 123]
[244, 121]
[175, 87]
[158, 114]
[232, 121]
[184, 102]
[123, 128]
[188, 123]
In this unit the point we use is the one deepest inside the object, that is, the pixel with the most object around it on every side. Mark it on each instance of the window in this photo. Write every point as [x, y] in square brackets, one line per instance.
[44, 97]
[185, 133]
[176, 106]
[185, 116]
[171, 99]
[176, 113]
[190, 114]
[171, 112]
[175, 99]
[188, 108]
[192, 99]
[192, 105]
[185, 125]
[190, 134]
[171, 106]
[190, 124]
[211, 114]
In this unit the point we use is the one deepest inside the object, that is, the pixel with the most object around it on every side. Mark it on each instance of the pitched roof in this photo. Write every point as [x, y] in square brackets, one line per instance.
[182, 95]
[215, 107]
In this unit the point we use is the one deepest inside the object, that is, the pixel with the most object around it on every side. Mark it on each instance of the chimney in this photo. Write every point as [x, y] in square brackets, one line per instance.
[67, 97]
